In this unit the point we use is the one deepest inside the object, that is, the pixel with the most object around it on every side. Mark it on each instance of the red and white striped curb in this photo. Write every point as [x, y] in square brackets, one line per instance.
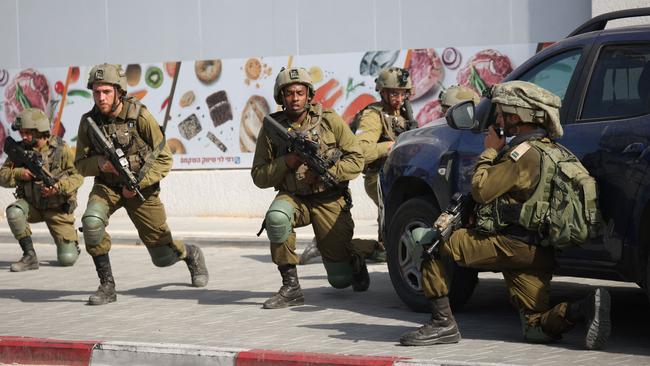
[41, 351]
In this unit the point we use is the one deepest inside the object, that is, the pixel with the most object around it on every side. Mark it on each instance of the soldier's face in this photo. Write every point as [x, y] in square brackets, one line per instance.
[104, 96]
[395, 97]
[30, 138]
[295, 98]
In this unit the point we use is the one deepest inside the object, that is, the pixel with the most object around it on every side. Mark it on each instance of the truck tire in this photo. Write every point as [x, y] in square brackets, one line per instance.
[404, 274]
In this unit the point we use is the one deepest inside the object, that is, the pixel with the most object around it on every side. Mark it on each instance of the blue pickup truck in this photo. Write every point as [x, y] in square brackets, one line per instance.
[603, 78]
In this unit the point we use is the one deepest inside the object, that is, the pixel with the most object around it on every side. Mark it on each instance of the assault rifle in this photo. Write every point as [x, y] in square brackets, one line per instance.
[454, 217]
[30, 160]
[307, 150]
[117, 158]
[407, 109]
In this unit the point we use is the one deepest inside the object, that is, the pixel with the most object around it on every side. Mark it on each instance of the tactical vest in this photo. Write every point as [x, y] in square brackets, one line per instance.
[124, 135]
[312, 128]
[563, 207]
[32, 191]
[392, 127]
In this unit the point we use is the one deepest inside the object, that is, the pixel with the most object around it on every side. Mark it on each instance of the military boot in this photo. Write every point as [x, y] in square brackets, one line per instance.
[29, 260]
[309, 253]
[441, 329]
[196, 264]
[106, 291]
[360, 277]
[290, 293]
[594, 309]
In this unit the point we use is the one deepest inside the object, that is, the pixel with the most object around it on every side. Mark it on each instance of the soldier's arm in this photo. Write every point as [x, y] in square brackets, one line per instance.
[84, 161]
[72, 180]
[9, 174]
[368, 133]
[351, 162]
[267, 171]
[151, 134]
[492, 178]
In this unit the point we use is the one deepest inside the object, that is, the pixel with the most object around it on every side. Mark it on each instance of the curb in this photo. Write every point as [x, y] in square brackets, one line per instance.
[39, 351]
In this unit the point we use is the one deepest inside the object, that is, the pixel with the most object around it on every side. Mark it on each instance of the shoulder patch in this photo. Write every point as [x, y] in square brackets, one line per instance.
[519, 151]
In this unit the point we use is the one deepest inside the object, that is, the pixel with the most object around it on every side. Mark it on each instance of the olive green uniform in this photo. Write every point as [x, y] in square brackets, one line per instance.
[57, 210]
[326, 209]
[149, 216]
[527, 268]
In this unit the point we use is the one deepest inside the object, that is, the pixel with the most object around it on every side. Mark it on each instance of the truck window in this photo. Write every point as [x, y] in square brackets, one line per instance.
[554, 74]
[620, 83]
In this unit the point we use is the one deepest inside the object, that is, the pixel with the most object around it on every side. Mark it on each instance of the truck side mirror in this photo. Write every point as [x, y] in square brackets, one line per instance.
[461, 116]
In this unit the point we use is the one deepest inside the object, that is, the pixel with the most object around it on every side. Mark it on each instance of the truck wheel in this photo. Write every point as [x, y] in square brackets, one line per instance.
[404, 274]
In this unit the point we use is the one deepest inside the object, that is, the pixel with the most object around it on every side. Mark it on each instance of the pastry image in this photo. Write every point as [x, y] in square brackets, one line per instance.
[187, 99]
[189, 127]
[176, 146]
[253, 68]
[220, 108]
[217, 142]
[207, 70]
[133, 74]
[251, 122]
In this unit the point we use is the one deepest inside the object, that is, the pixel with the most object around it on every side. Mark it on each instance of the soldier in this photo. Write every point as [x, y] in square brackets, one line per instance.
[303, 198]
[456, 94]
[36, 202]
[129, 125]
[510, 174]
[377, 128]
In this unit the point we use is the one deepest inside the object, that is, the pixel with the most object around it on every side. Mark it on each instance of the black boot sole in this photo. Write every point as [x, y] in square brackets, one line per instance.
[104, 301]
[599, 329]
[449, 339]
[30, 268]
[293, 302]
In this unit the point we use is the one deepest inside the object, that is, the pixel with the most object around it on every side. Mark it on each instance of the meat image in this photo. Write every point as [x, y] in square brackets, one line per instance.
[484, 69]
[426, 70]
[28, 89]
[3, 135]
[429, 112]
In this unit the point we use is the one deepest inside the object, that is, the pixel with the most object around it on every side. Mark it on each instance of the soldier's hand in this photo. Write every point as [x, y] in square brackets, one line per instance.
[50, 191]
[106, 166]
[127, 193]
[293, 161]
[390, 145]
[492, 140]
[311, 177]
[26, 175]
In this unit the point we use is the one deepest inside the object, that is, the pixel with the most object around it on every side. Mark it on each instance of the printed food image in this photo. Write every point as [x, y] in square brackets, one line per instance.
[28, 89]
[133, 74]
[426, 70]
[486, 68]
[4, 77]
[170, 68]
[187, 99]
[154, 77]
[373, 62]
[220, 108]
[207, 70]
[356, 106]
[251, 122]
[217, 142]
[316, 74]
[253, 68]
[189, 127]
[430, 112]
[451, 58]
[176, 146]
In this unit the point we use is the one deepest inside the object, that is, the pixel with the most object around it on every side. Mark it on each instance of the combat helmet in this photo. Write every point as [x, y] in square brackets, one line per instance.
[109, 74]
[291, 76]
[532, 103]
[31, 119]
[393, 78]
[456, 94]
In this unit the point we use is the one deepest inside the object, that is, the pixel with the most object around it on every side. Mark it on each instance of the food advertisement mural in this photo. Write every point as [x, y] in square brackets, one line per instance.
[212, 110]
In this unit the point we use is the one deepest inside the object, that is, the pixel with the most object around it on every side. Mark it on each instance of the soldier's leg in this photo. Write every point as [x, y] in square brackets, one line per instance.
[150, 220]
[61, 226]
[370, 184]
[102, 202]
[333, 226]
[17, 215]
[285, 212]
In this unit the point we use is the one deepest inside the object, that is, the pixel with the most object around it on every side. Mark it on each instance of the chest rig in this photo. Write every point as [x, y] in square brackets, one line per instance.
[31, 191]
[124, 135]
[392, 127]
[312, 129]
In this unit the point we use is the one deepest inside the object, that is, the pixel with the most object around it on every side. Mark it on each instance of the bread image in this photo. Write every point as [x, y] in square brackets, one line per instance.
[253, 68]
[251, 122]
[212, 137]
[176, 146]
[187, 99]
[207, 70]
[189, 127]
[220, 108]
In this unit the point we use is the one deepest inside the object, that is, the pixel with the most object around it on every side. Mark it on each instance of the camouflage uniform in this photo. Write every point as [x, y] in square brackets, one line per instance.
[32, 207]
[299, 203]
[512, 175]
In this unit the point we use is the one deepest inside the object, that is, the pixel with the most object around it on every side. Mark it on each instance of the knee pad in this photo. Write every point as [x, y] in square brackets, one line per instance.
[67, 253]
[17, 217]
[339, 274]
[163, 255]
[93, 223]
[278, 221]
